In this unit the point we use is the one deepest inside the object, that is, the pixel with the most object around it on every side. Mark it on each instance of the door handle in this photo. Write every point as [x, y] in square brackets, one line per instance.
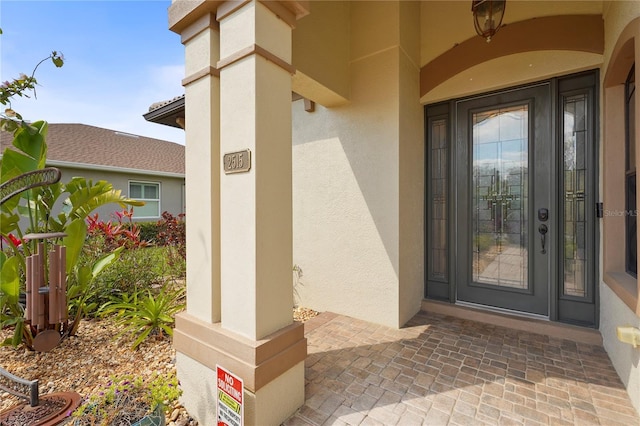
[543, 229]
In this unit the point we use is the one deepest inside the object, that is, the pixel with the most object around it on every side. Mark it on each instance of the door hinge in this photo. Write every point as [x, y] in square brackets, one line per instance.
[599, 211]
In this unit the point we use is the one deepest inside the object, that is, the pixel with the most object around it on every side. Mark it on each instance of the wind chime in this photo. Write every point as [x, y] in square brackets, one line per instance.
[46, 305]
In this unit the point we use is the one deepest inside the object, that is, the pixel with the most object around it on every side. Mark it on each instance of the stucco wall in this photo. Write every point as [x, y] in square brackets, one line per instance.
[617, 14]
[624, 357]
[411, 165]
[613, 311]
[348, 163]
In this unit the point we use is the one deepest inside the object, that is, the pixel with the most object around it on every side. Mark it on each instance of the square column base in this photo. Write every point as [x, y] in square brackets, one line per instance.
[266, 407]
[270, 368]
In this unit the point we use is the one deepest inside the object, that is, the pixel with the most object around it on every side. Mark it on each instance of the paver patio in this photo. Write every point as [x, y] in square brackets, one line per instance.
[440, 370]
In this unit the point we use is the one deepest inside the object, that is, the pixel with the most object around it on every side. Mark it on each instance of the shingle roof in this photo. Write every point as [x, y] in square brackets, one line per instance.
[80, 143]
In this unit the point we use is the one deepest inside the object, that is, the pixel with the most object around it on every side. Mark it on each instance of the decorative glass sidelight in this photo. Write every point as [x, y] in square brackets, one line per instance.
[500, 197]
[575, 184]
[438, 241]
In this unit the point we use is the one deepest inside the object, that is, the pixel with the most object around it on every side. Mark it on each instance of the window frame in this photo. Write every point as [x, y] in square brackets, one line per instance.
[158, 200]
[631, 267]
[614, 275]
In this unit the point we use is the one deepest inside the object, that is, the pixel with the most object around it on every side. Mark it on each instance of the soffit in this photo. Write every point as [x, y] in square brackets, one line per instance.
[447, 23]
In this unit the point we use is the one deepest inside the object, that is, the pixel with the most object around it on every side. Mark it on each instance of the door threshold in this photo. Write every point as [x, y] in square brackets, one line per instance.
[495, 309]
[530, 323]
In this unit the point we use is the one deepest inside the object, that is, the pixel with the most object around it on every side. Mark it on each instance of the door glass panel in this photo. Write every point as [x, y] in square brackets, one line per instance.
[574, 145]
[500, 197]
[438, 241]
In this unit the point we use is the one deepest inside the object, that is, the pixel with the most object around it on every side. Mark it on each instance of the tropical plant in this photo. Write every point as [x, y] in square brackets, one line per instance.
[78, 198]
[11, 120]
[144, 314]
[128, 399]
[82, 289]
[120, 234]
[139, 266]
[81, 197]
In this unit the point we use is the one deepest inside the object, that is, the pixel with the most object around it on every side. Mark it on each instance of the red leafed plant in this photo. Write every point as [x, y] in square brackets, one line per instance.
[171, 233]
[118, 234]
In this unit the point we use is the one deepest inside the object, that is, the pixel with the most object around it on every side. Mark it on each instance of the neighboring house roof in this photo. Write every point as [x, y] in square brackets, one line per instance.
[84, 146]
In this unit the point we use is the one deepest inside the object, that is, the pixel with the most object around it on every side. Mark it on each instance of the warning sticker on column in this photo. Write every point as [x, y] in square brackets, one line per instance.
[230, 397]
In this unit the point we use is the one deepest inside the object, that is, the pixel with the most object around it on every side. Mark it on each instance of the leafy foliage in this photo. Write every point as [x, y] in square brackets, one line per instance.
[139, 267]
[79, 197]
[82, 197]
[21, 86]
[136, 269]
[172, 233]
[116, 235]
[145, 314]
[148, 231]
[82, 289]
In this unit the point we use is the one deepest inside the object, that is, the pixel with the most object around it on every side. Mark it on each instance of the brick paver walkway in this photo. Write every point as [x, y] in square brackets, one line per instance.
[446, 371]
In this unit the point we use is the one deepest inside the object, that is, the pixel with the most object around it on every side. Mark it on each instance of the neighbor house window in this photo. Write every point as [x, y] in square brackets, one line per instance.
[149, 192]
[631, 226]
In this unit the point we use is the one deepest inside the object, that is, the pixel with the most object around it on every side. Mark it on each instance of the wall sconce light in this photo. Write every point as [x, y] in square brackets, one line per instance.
[629, 334]
[487, 16]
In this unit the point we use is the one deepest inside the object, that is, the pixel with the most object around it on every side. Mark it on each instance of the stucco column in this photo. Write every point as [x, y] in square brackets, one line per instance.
[201, 39]
[239, 286]
[202, 112]
[256, 206]
[256, 216]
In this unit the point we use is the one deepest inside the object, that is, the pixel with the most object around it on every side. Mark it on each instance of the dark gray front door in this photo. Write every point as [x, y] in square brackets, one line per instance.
[511, 199]
[504, 217]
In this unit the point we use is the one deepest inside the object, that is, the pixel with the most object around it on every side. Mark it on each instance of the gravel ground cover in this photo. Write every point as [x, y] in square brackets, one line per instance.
[84, 363]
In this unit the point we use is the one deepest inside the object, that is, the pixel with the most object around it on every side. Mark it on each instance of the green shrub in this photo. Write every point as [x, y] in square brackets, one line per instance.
[141, 265]
[148, 231]
[137, 269]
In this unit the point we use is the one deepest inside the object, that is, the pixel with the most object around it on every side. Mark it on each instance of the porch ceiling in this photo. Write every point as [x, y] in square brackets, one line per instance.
[445, 24]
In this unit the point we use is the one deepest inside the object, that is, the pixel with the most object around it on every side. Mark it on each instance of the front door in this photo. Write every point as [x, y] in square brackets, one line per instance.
[503, 154]
[511, 200]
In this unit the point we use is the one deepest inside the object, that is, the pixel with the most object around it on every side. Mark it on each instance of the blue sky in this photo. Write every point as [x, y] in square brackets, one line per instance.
[120, 57]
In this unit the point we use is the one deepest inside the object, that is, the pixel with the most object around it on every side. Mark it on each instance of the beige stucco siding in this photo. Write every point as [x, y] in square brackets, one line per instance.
[320, 52]
[358, 177]
[345, 198]
[617, 15]
[410, 165]
[446, 23]
[619, 19]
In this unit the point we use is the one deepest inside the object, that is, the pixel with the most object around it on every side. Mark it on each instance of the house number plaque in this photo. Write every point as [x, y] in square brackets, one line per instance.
[237, 162]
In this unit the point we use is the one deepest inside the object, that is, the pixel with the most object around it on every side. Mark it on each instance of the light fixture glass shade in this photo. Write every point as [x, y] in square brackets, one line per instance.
[487, 16]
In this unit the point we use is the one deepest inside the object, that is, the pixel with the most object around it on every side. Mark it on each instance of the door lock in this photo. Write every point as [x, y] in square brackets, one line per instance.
[543, 215]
